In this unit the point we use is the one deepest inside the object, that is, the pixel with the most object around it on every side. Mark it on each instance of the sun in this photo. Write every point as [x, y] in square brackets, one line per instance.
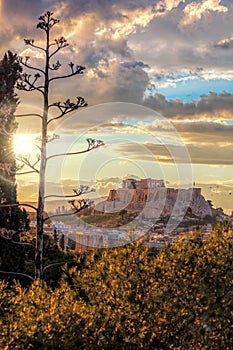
[24, 144]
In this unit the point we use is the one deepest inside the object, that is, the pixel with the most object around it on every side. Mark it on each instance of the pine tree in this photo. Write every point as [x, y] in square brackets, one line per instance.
[10, 217]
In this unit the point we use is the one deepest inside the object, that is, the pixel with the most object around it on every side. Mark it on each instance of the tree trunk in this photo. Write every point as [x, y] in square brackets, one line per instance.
[40, 206]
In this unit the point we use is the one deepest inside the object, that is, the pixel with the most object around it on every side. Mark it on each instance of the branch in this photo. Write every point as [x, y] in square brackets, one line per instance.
[25, 160]
[55, 66]
[55, 51]
[30, 42]
[57, 215]
[79, 192]
[47, 21]
[59, 263]
[18, 205]
[21, 86]
[61, 43]
[37, 146]
[25, 81]
[79, 70]
[92, 144]
[58, 117]
[20, 243]
[53, 44]
[26, 172]
[29, 115]
[49, 138]
[81, 204]
[52, 138]
[67, 107]
[27, 65]
[17, 274]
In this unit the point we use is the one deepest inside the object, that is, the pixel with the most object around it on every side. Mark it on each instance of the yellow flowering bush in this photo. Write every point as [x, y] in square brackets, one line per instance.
[131, 297]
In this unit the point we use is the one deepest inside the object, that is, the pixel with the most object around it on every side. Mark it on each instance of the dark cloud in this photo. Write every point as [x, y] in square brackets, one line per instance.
[18, 21]
[212, 104]
[92, 55]
[120, 83]
[26, 8]
[117, 47]
[107, 9]
[134, 64]
[104, 50]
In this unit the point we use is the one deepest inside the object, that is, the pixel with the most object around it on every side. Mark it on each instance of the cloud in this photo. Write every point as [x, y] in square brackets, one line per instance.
[205, 132]
[123, 44]
[116, 81]
[110, 18]
[27, 191]
[213, 104]
[102, 118]
[186, 76]
[27, 8]
[199, 154]
[18, 21]
[169, 48]
[134, 64]
[197, 9]
[105, 184]
[168, 5]
[131, 117]
[224, 43]
[120, 10]
[105, 30]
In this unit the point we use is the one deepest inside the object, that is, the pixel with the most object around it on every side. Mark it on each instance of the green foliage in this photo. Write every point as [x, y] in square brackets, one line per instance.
[12, 255]
[16, 257]
[129, 298]
[55, 258]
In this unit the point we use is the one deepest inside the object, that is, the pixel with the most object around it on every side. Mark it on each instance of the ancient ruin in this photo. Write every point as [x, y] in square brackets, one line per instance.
[153, 199]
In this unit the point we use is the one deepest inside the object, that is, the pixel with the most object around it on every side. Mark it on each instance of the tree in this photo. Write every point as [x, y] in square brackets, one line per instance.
[40, 82]
[10, 217]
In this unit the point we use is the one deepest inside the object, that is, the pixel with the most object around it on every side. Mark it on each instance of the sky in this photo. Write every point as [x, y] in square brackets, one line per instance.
[159, 86]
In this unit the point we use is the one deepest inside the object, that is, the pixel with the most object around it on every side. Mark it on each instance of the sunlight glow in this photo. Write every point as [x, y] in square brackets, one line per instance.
[24, 144]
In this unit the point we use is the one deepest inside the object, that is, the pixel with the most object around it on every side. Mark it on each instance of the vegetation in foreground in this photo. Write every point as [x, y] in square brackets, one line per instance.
[131, 297]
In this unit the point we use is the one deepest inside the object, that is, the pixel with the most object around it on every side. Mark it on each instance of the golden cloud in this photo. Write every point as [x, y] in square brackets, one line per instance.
[196, 10]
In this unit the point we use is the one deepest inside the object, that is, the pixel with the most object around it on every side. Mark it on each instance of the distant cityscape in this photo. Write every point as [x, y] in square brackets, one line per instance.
[141, 209]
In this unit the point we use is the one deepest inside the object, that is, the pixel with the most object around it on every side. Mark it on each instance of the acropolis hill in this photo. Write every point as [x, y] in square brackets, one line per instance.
[154, 199]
